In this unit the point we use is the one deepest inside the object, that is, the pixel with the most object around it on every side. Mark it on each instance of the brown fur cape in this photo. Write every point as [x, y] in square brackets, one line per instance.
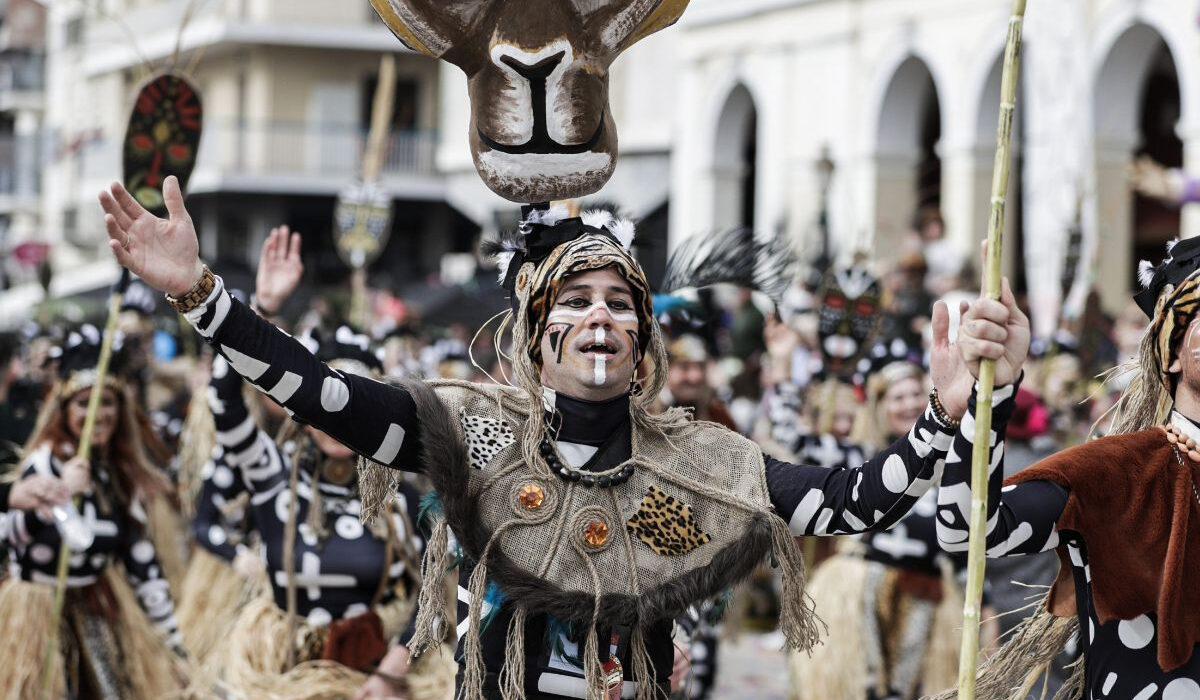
[1135, 506]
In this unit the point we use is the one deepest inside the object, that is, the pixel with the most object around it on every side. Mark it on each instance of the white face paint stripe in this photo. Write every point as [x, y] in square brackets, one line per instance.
[574, 314]
[601, 359]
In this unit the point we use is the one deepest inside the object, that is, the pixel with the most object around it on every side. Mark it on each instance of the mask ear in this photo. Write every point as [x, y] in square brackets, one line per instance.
[639, 19]
[430, 27]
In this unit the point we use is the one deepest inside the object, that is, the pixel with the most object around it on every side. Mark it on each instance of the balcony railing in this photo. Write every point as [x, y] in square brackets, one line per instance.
[285, 149]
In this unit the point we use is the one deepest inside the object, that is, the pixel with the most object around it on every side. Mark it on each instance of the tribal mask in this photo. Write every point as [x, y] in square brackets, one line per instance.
[537, 74]
[162, 139]
[849, 313]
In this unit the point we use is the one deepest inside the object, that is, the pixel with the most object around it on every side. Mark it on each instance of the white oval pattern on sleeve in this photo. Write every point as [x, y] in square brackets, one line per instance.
[895, 475]
[334, 394]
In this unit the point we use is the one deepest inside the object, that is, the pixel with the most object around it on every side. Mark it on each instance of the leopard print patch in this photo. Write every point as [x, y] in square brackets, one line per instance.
[485, 437]
[666, 525]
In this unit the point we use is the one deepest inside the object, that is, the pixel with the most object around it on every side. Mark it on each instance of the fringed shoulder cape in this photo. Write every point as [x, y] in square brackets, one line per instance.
[694, 519]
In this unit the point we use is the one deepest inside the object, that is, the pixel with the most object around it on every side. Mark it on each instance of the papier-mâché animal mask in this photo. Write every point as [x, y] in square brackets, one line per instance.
[537, 73]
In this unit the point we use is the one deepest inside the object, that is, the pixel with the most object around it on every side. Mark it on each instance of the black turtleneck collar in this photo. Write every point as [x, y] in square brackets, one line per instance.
[585, 422]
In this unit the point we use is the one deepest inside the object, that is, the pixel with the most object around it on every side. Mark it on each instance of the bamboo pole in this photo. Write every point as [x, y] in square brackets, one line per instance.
[85, 452]
[977, 549]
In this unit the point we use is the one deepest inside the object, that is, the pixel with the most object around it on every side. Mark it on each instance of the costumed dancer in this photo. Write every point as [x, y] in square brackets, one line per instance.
[115, 642]
[565, 475]
[890, 599]
[1120, 511]
[226, 570]
[350, 588]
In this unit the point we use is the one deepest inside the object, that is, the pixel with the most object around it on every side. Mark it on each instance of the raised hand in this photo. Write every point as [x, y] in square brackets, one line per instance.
[279, 269]
[163, 252]
[949, 373]
[995, 330]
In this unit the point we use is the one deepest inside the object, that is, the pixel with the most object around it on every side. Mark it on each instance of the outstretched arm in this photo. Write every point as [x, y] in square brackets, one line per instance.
[374, 419]
[1021, 519]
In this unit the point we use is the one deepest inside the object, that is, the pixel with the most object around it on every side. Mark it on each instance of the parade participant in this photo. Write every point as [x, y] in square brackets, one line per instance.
[109, 649]
[351, 588]
[1119, 510]
[890, 600]
[547, 483]
[687, 382]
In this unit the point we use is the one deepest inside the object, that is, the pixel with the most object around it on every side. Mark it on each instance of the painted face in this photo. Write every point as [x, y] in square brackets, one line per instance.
[162, 138]
[590, 345]
[106, 417]
[848, 318]
[902, 404]
[537, 75]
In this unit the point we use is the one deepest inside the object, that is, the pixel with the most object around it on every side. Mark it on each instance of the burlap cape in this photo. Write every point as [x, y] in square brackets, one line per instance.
[471, 437]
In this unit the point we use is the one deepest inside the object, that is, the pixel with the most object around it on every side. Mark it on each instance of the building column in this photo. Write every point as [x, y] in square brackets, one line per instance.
[1114, 224]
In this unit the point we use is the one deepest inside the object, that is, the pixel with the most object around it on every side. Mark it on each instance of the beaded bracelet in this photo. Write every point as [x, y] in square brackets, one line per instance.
[939, 411]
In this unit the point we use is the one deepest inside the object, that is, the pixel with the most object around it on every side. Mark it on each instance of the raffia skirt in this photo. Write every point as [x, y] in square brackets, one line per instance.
[107, 647]
[254, 659]
[210, 600]
[879, 635]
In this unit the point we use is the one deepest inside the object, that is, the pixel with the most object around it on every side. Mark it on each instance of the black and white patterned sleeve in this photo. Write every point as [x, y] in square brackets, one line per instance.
[146, 576]
[1021, 518]
[211, 525]
[874, 496]
[374, 419]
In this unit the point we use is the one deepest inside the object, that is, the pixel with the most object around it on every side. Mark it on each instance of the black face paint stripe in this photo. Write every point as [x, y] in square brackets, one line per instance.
[637, 349]
[557, 334]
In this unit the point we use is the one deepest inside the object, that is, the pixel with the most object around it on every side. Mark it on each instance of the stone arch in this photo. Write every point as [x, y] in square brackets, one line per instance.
[1137, 107]
[735, 160]
[908, 167]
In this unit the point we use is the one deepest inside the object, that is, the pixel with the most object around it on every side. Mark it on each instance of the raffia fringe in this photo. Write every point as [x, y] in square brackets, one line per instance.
[154, 671]
[940, 667]
[196, 444]
[1010, 672]
[376, 488]
[512, 677]
[797, 620]
[209, 602]
[25, 611]
[834, 670]
[256, 660]
[473, 675]
[431, 623]
[167, 532]
[431, 677]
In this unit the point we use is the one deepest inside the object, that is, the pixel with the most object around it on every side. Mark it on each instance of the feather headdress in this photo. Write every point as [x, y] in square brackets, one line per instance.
[544, 228]
[732, 257]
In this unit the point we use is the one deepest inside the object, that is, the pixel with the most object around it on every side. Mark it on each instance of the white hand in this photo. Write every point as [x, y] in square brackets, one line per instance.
[279, 269]
[163, 252]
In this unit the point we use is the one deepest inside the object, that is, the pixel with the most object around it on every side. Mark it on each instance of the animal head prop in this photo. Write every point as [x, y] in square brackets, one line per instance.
[537, 72]
[162, 139]
[850, 306]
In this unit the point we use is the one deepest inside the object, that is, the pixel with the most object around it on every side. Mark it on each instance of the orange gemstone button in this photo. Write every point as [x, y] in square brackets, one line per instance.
[596, 533]
[531, 496]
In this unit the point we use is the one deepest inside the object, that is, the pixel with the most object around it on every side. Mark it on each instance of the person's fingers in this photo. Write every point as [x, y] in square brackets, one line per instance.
[126, 201]
[294, 250]
[122, 255]
[974, 350]
[173, 197]
[941, 324]
[110, 206]
[115, 232]
[988, 310]
[980, 329]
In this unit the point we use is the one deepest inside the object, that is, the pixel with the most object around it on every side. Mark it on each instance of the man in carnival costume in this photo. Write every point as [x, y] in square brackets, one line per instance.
[585, 523]
[1121, 511]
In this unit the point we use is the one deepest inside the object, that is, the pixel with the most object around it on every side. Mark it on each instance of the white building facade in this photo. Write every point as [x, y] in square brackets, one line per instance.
[905, 95]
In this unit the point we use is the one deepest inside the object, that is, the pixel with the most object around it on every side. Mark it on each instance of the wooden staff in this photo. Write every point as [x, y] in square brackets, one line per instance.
[977, 548]
[85, 452]
[382, 106]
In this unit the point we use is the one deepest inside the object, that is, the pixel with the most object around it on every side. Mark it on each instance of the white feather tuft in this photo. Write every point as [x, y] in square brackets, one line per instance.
[624, 230]
[1171, 245]
[596, 218]
[1145, 273]
[548, 217]
[503, 260]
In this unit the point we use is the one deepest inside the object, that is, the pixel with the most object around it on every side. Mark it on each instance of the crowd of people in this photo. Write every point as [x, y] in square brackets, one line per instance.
[226, 547]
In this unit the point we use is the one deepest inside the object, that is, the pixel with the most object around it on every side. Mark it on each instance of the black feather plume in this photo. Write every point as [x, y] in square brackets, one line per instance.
[732, 257]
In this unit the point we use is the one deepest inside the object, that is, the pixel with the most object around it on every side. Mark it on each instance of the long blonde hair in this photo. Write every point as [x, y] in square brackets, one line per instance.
[871, 429]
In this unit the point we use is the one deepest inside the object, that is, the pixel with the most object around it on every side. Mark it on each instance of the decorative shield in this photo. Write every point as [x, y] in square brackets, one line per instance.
[537, 74]
[363, 222]
[162, 138]
[850, 308]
